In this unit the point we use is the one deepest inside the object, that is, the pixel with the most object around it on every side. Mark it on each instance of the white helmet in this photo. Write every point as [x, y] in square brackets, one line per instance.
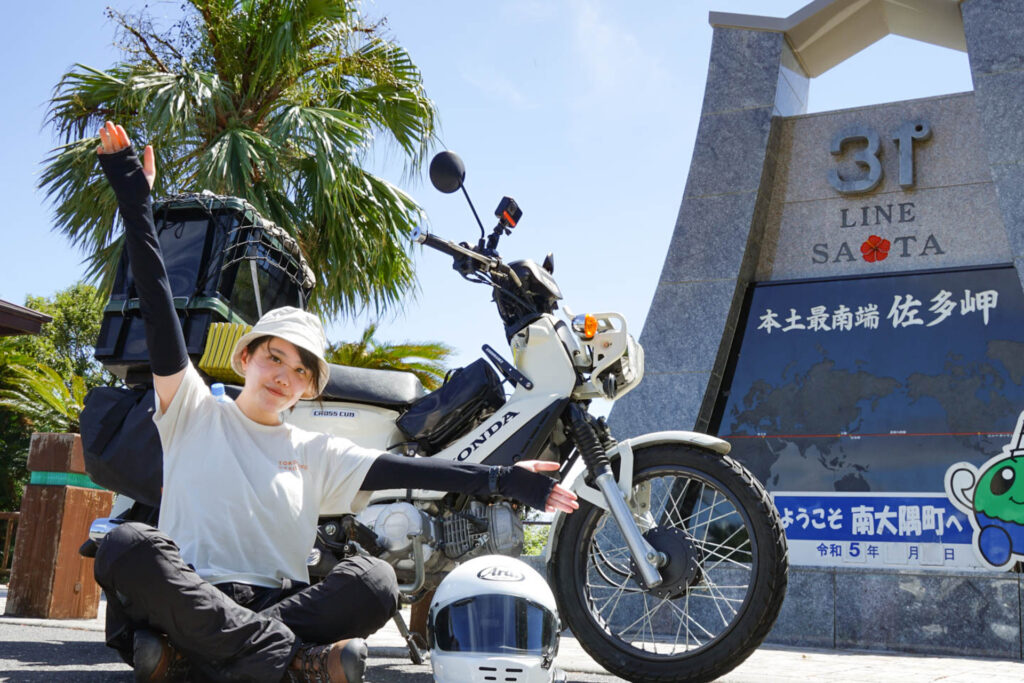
[494, 618]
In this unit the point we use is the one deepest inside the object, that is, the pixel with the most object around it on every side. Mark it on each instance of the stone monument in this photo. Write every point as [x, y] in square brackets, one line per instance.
[842, 301]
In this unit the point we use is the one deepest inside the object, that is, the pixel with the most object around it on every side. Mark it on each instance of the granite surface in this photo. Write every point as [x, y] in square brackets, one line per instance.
[945, 227]
[965, 614]
[949, 218]
[990, 47]
[1009, 181]
[663, 401]
[729, 153]
[955, 154]
[711, 237]
[807, 618]
[680, 314]
[996, 52]
[1000, 103]
[743, 70]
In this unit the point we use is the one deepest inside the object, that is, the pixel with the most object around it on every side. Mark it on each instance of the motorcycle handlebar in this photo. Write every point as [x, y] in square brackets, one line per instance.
[457, 250]
[454, 250]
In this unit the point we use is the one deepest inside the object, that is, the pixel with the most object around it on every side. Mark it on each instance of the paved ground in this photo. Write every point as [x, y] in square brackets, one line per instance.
[51, 650]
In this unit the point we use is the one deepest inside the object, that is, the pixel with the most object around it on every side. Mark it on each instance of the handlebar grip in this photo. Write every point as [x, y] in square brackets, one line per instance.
[428, 240]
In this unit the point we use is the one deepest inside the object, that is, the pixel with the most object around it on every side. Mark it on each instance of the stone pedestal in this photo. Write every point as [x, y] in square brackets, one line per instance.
[49, 579]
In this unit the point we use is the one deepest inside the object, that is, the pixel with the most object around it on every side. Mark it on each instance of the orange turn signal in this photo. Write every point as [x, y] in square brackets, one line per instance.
[585, 326]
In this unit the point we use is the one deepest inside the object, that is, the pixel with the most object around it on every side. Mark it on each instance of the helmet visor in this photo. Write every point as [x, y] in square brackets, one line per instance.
[496, 624]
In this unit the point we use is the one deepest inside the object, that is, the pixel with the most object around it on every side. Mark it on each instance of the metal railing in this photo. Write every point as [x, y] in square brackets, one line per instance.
[8, 528]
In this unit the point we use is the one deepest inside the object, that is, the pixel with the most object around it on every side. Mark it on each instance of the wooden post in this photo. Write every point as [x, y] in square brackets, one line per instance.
[49, 579]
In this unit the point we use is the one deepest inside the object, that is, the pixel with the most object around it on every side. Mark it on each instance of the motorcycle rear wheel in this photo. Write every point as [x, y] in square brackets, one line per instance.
[725, 598]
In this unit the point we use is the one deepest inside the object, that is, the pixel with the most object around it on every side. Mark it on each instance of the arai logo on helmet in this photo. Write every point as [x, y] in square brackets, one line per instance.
[500, 574]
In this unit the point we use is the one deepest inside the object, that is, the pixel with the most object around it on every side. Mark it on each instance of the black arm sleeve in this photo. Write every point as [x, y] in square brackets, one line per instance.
[164, 338]
[390, 471]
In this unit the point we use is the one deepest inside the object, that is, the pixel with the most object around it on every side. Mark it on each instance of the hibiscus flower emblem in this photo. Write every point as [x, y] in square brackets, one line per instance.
[875, 249]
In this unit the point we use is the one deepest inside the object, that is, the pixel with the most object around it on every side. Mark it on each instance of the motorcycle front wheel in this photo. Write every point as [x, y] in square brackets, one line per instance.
[722, 587]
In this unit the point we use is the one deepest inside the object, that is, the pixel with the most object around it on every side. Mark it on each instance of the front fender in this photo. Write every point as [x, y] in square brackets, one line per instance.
[574, 479]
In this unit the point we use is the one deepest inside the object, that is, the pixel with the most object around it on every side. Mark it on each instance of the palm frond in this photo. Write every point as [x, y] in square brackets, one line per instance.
[380, 82]
[85, 203]
[279, 104]
[42, 396]
[423, 359]
[84, 97]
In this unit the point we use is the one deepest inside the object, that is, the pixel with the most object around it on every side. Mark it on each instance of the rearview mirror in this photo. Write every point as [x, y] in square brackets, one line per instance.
[447, 172]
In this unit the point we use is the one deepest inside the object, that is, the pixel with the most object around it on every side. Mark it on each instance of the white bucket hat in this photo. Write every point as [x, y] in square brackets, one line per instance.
[294, 325]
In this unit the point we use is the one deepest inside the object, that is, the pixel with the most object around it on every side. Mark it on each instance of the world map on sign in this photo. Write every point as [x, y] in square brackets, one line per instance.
[875, 383]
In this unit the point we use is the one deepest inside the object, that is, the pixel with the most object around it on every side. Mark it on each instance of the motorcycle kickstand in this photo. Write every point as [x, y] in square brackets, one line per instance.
[415, 654]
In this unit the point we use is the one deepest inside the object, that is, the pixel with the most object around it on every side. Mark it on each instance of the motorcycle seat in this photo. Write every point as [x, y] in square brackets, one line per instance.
[386, 388]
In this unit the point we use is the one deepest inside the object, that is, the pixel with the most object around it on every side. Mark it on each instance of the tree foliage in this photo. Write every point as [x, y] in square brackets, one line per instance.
[15, 428]
[66, 343]
[48, 400]
[423, 359]
[44, 379]
[275, 101]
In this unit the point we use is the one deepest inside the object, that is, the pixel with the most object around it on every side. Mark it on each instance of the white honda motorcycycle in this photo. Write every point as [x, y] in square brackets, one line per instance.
[675, 565]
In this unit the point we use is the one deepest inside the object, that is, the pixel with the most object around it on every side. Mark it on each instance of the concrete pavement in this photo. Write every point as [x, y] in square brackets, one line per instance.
[72, 650]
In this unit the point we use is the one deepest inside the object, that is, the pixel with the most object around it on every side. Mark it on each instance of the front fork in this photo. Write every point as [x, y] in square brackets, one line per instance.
[646, 559]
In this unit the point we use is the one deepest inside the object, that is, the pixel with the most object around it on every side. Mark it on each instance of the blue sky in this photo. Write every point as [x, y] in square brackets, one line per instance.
[584, 111]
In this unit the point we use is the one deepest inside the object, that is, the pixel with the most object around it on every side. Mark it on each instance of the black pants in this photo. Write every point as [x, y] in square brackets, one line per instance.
[233, 631]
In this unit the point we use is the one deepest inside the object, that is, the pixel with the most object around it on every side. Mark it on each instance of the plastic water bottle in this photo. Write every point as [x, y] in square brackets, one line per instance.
[217, 389]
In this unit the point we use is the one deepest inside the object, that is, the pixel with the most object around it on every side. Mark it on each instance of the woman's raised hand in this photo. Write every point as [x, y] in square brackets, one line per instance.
[114, 139]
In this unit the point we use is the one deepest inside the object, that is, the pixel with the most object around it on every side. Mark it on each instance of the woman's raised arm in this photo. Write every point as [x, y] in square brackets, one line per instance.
[132, 181]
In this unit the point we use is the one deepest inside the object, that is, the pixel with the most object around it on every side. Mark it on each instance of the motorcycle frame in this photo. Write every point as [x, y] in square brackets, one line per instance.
[541, 356]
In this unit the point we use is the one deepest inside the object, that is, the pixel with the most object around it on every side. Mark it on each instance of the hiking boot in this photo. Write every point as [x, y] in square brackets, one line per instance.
[340, 662]
[156, 660]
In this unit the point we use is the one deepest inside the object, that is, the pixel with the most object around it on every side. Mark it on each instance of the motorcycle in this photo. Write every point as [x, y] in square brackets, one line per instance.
[675, 565]
[673, 568]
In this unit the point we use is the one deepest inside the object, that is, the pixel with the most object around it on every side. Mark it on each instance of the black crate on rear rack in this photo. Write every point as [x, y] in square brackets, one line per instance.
[225, 263]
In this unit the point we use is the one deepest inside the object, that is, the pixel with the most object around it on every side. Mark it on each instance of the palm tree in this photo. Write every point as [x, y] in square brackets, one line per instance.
[275, 101]
[33, 397]
[42, 396]
[423, 359]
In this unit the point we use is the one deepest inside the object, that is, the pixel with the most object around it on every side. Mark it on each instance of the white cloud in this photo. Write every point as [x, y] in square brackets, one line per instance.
[613, 60]
[495, 85]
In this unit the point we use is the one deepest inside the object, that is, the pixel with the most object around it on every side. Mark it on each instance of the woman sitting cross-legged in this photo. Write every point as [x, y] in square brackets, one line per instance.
[219, 589]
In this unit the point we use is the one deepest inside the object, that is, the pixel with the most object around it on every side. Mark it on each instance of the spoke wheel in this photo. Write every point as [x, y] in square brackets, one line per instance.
[723, 585]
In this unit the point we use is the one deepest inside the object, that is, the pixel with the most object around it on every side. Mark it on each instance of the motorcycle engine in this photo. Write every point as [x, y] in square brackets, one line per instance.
[396, 525]
[483, 530]
[480, 529]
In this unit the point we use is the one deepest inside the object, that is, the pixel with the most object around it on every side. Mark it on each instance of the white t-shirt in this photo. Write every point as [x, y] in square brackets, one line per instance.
[241, 499]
